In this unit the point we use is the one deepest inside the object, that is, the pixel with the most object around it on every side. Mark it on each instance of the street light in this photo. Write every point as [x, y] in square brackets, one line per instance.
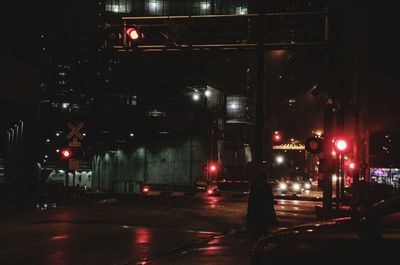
[196, 97]
[279, 159]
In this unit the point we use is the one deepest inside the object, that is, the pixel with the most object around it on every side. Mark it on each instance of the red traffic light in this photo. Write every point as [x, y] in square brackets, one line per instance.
[314, 145]
[341, 145]
[134, 34]
[66, 153]
[277, 137]
[212, 168]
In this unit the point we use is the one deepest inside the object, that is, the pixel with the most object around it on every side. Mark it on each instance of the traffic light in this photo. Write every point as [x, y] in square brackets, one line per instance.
[212, 168]
[66, 153]
[352, 165]
[134, 35]
[277, 137]
[341, 145]
[314, 145]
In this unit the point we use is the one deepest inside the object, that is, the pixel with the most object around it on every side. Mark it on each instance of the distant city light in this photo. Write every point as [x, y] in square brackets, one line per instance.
[279, 159]
[234, 106]
[154, 5]
[196, 97]
[57, 150]
[47, 140]
[131, 134]
[65, 105]
[205, 6]
[207, 93]
[318, 133]
[57, 134]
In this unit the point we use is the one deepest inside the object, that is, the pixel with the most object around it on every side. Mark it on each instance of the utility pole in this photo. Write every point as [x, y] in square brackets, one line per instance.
[258, 201]
[259, 116]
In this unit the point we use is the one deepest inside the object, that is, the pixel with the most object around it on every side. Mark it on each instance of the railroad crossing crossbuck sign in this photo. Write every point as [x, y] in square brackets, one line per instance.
[75, 130]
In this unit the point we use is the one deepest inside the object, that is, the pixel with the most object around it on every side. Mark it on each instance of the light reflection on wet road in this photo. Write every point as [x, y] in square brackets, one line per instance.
[127, 233]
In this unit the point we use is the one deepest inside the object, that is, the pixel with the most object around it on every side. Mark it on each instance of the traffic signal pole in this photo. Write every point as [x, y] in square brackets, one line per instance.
[327, 174]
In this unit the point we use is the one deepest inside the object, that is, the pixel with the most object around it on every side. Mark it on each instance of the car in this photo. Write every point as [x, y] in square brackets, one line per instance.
[306, 185]
[288, 186]
[370, 234]
[213, 190]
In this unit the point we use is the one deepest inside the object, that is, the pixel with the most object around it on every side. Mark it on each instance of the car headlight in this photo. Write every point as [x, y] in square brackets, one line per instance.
[296, 186]
[282, 186]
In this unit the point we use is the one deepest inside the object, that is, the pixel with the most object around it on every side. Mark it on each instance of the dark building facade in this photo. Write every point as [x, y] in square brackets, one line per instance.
[119, 94]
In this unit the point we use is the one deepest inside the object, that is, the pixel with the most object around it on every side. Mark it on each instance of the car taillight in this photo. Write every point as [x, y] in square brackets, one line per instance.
[145, 189]
[210, 191]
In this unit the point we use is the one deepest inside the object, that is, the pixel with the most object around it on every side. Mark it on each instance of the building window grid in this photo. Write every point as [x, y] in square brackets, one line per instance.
[178, 7]
[118, 6]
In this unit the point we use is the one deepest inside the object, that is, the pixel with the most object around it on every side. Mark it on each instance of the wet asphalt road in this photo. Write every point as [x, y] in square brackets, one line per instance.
[128, 231]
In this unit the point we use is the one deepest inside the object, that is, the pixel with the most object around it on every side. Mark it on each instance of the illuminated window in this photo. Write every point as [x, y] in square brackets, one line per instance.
[156, 114]
[202, 8]
[118, 6]
[156, 7]
[241, 10]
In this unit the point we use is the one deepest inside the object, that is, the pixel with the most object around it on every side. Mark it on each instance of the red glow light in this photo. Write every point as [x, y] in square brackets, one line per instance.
[66, 153]
[133, 33]
[146, 189]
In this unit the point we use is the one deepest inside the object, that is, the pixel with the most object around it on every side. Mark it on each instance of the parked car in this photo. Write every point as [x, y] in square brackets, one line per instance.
[372, 234]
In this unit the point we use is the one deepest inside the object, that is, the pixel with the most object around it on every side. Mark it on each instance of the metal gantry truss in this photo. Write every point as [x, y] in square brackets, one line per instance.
[227, 32]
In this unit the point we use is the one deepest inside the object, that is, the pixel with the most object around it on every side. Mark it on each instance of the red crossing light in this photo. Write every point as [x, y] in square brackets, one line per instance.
[66, 153]
[134, 34]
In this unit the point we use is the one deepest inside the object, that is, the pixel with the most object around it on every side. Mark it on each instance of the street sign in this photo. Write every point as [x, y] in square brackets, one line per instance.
[74, 143]
[74, 164]
[75, 130]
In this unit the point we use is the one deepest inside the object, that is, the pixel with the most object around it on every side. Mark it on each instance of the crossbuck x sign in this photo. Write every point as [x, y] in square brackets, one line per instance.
[75, 130]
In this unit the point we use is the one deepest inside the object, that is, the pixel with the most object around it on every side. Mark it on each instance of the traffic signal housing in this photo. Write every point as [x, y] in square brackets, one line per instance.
[134, 35]
[314, 145]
